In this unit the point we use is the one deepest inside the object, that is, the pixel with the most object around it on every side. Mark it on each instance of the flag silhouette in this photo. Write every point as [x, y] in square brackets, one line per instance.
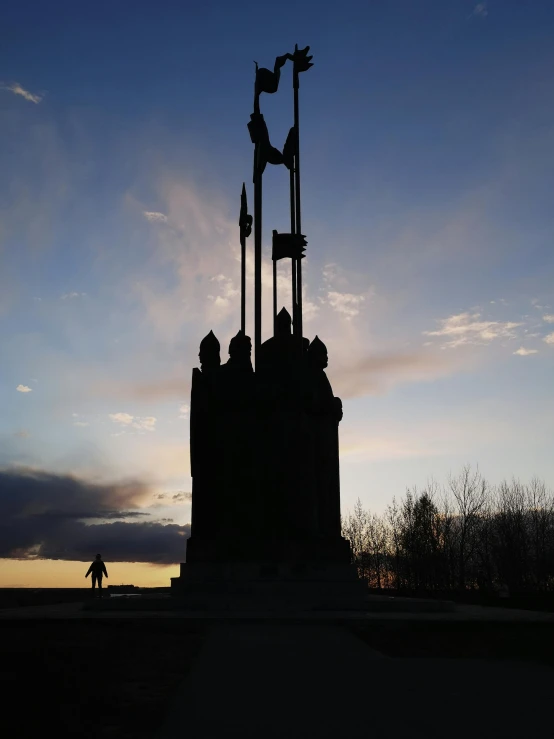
[289, 246]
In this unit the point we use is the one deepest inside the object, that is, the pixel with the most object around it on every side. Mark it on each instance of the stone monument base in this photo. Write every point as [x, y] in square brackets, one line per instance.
[294, 573]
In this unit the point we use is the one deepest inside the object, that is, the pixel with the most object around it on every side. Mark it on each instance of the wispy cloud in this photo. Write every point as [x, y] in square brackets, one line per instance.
[81, 423]
[72, 295]
[549, 318]
[226, 291]
[479, 11]
[24, 389]
[184, 411]
[23, 434]
[338, 294]
[469, 328]
[549, 339]
[154, 217]
[522, 352]
[17, 89]
[175, 498]
[348, 304]
[143, 423]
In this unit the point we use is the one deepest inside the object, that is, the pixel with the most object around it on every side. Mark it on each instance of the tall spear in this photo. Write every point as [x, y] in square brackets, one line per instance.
[288, 160]
[302, 62]
[245, 225]
[257, 223]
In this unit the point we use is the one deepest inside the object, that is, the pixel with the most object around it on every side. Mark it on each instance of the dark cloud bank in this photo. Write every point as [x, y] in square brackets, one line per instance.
[50, 516]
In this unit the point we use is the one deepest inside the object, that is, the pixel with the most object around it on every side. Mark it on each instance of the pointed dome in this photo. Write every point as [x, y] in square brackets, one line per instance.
[240, 341]
[317, 354]
[209, 352]
[317, 346]
[210, 343]
[284, 322]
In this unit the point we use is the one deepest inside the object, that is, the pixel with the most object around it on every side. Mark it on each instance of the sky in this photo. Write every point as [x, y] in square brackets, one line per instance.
[427, 143]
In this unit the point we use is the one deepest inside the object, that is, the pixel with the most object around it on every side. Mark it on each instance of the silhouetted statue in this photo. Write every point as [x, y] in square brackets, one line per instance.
[209, 352]
[237, 430]
[278, 353]
[326, 413]
[264, 443]
[284, 442]
[204, 439]
[97, 570]
[240, 353]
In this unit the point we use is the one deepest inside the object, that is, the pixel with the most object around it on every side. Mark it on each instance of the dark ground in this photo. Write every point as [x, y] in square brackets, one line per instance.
[21, 597]
[526, 642]
[92, 678]
[116, 678]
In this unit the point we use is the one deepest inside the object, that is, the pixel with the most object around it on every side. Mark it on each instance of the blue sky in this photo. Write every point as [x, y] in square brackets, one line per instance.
[427, 134]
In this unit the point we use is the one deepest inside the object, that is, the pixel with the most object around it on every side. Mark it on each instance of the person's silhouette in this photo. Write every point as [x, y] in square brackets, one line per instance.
[97, 568]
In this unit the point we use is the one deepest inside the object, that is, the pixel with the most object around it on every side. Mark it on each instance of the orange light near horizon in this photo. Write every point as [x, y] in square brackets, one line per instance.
[48, 573]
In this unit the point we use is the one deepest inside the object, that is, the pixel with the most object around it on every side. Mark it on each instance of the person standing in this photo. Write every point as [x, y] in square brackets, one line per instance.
[97, 569]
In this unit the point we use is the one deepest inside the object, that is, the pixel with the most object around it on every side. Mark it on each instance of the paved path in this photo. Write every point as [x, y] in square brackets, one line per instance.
[270, 680]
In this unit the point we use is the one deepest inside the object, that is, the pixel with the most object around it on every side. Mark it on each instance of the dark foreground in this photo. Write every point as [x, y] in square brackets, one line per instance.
[92, 678]
[122, 678]
[526, 642]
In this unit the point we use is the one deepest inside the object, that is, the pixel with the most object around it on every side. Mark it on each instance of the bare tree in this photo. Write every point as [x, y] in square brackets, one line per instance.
[512, 550]
[471, 535]
[540, 508]
[469, 489]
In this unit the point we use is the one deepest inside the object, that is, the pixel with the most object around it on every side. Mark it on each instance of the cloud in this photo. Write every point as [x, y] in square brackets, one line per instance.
[17, 89]
[479, 11]
[143, 423]
[125, 419]
[525, 352]
[374, 374]
[24, 389]
[81, 423]
[49, 516]
[467, 328]
[549, 339]
[70, 296]
[337, 293]
[184, 410]
[227, 291]
[23, 434]
[175, 497]
[348, 304]
[154, 217]
[549, 318]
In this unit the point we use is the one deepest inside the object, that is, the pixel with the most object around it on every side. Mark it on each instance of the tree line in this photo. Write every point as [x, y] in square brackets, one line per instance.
[461, 536]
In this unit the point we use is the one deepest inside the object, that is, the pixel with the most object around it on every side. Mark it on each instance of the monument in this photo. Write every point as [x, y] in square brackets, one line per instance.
[264, 438]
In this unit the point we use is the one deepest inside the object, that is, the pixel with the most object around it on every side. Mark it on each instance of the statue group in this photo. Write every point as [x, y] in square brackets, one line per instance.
[264, 453]
[264, 439]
